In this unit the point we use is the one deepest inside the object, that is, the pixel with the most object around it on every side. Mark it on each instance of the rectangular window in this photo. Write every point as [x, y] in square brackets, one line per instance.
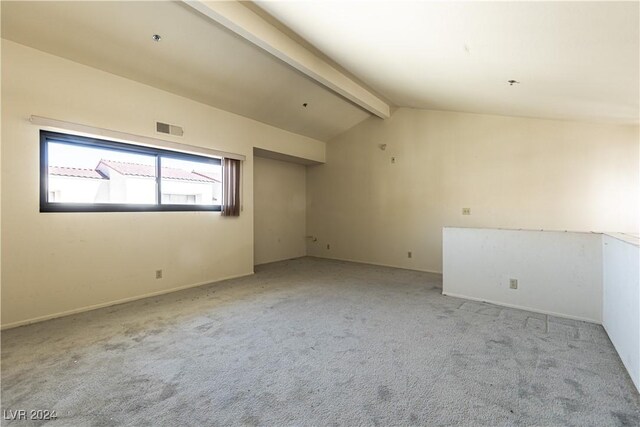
[80, 174]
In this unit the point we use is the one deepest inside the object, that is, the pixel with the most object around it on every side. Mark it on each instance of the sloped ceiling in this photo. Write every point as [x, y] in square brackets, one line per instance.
[574, 60]
[195, 58]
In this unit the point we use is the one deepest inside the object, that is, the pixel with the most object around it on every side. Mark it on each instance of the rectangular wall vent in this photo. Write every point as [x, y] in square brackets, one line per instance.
[169, 129]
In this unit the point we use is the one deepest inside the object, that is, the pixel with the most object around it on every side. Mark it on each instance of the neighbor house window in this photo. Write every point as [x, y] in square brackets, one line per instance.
[80, 174]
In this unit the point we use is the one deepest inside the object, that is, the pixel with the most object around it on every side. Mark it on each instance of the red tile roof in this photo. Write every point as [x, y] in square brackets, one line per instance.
[75, 172]
[211, 175]
[135, 169]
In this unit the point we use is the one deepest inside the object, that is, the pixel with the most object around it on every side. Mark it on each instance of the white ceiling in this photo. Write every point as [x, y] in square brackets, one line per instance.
[575, 60]
[196, 58]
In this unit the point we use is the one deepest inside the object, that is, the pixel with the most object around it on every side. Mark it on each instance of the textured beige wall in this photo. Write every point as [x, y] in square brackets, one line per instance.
[279, 199]
[54, 263]
[511, 172]
[0, 170]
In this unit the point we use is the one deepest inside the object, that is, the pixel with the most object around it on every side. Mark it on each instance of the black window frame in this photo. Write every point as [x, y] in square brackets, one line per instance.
[84, 141]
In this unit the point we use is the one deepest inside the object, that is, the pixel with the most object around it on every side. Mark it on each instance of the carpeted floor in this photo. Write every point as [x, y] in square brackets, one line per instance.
[316, 342]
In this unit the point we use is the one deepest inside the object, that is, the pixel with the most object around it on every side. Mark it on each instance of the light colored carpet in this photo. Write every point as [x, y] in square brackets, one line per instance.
[317, 342]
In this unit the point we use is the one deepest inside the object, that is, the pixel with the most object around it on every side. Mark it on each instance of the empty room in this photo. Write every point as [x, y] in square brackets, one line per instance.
[310, 213]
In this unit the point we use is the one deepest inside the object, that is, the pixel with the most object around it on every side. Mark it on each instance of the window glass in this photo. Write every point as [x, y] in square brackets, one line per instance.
[80, 174]
[83, 174]
[190, 182]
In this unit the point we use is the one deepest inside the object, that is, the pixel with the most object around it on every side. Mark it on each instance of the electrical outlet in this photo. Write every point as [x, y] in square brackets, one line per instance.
[466, 211]
[409, 254]
[513, 283]
[158, 274]
[328, 246]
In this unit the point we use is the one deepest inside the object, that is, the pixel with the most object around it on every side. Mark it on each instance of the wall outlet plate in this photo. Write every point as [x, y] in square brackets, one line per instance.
[466, 211]
[158, 274]
[513, 283]
[409, 254]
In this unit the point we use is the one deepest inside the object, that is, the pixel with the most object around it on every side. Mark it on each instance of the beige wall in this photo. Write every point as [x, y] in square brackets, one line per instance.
[54, 263]
[512, 172]
[1, 72]
[279, 198]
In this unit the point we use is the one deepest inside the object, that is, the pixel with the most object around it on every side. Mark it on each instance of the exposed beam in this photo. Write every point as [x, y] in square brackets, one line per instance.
[246, 23]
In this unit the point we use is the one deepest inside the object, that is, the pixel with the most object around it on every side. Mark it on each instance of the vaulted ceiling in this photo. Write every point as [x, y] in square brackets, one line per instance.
[571, 60]
[574, 60]
[196, 58]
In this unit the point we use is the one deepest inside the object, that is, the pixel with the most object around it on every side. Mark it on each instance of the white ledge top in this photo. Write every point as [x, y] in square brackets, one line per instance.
[631, 238]
[525, 229]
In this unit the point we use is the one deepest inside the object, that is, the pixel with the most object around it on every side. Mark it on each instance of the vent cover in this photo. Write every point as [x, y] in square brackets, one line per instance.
[169, 129]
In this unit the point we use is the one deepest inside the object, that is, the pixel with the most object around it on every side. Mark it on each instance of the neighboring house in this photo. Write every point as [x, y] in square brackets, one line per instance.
[77, 185]
[122, 182]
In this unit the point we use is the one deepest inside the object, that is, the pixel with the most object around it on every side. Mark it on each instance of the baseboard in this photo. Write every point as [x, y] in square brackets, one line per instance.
[520, 307]
[439, 273]
[280, 260]
[116, 302]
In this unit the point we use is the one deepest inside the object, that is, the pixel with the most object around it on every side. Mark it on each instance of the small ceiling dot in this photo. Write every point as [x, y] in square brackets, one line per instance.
[513, 82]
[156, 37]
[305, 105]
